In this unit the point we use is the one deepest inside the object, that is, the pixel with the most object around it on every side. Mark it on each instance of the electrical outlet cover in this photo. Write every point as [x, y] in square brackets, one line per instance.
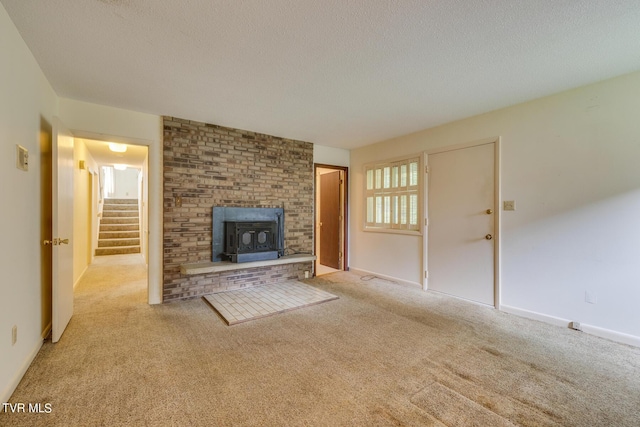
[509, 205]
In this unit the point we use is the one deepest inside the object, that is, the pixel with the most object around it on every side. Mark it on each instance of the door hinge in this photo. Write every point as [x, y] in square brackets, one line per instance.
[426, 169]
[426, 222]
[426, 274]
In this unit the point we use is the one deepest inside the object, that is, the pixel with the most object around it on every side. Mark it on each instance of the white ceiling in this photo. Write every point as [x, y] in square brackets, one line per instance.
[134, 156]
[334, 72]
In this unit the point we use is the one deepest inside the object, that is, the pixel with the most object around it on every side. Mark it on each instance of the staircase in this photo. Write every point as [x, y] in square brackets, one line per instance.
[119, 228]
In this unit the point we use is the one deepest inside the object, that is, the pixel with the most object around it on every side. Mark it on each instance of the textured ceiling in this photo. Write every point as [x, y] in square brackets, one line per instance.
[333, 72]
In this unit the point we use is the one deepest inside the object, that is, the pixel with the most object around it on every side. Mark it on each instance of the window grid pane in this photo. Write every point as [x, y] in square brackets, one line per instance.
[403, 209]
[387, 209]
[413, 209]
[392, 196]
[394, 209]
[413, 176]
[369, 179]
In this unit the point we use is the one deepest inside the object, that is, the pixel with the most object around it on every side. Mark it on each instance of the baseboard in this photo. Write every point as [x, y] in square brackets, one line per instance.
[46, 332]
[80, 277]
[13, 384]
[356, 270]
[589, 329]
[612, 335]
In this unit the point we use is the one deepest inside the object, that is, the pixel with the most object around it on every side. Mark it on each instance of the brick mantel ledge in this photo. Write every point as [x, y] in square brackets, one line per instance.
[217, 267]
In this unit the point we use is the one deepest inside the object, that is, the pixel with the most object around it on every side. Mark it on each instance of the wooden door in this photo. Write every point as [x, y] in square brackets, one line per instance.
[330, 219]
[460, 251]
[62, 225]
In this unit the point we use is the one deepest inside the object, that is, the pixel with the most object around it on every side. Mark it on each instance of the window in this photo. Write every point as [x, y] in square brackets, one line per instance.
[392, 195]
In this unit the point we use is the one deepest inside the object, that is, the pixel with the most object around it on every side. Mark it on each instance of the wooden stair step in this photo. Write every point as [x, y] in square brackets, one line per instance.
[119, 227]
[104, 243]
[119, 234]
[118, 250]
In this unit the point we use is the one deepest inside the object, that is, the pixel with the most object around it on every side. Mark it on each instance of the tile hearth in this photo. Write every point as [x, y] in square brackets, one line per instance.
[242, 305]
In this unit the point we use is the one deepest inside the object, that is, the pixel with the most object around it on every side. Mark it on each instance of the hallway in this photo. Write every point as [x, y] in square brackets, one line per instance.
[111, 282]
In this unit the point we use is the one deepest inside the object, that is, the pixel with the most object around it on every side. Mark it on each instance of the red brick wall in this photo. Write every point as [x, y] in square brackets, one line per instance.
[207, 165]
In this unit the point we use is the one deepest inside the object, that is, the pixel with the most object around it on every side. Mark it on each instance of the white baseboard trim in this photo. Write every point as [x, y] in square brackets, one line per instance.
[356, 270]
[589, 329]
[612, 335]
[13, 384]
[80, 277]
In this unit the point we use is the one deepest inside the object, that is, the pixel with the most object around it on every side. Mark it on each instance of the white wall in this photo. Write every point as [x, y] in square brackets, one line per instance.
[27, 98]
[103, 123]
[82, 246]
[571, 162]
[126, 183]
[330, 156]
[143, 203]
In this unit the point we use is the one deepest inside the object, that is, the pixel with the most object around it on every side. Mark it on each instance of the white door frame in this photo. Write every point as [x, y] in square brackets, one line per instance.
[154, 184]
[496, 210]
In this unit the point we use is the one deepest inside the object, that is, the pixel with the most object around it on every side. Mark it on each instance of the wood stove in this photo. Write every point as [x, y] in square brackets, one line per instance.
[247, 234]
[251, 240]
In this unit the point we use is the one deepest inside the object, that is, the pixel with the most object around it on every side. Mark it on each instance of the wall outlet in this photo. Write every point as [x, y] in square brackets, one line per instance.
[575, 325]
[590, 297]
[509, 205]
[306, 274]
[14, 335]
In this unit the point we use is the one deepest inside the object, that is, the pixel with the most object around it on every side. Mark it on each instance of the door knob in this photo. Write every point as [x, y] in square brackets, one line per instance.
[489, 211]
[56, 241]
[488, 237]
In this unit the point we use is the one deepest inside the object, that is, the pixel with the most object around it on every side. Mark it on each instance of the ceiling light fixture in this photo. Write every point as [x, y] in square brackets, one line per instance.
[120, 167]
[117, 148]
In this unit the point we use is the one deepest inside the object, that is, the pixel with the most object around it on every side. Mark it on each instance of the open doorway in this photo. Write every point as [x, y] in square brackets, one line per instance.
[330, 218]
[118, 198]
[110, 211]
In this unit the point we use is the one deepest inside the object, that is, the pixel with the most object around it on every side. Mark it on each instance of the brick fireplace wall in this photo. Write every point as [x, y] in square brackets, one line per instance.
[206, 165]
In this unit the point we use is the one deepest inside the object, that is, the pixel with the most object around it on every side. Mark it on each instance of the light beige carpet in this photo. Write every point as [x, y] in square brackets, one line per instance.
[380, 355]
[243, 305]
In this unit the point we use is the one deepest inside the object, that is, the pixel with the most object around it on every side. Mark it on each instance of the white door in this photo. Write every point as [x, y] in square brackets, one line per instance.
[62, 222]
[460, 251]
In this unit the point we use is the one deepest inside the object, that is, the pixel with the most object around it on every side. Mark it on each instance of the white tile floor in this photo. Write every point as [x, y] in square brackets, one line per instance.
[242, 305]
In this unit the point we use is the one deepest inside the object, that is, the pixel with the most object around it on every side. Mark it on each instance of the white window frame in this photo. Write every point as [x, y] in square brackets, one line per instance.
[390, 206]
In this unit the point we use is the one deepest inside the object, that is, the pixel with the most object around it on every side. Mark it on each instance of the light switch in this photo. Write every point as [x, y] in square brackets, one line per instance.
[509, 205]
[22, 158]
